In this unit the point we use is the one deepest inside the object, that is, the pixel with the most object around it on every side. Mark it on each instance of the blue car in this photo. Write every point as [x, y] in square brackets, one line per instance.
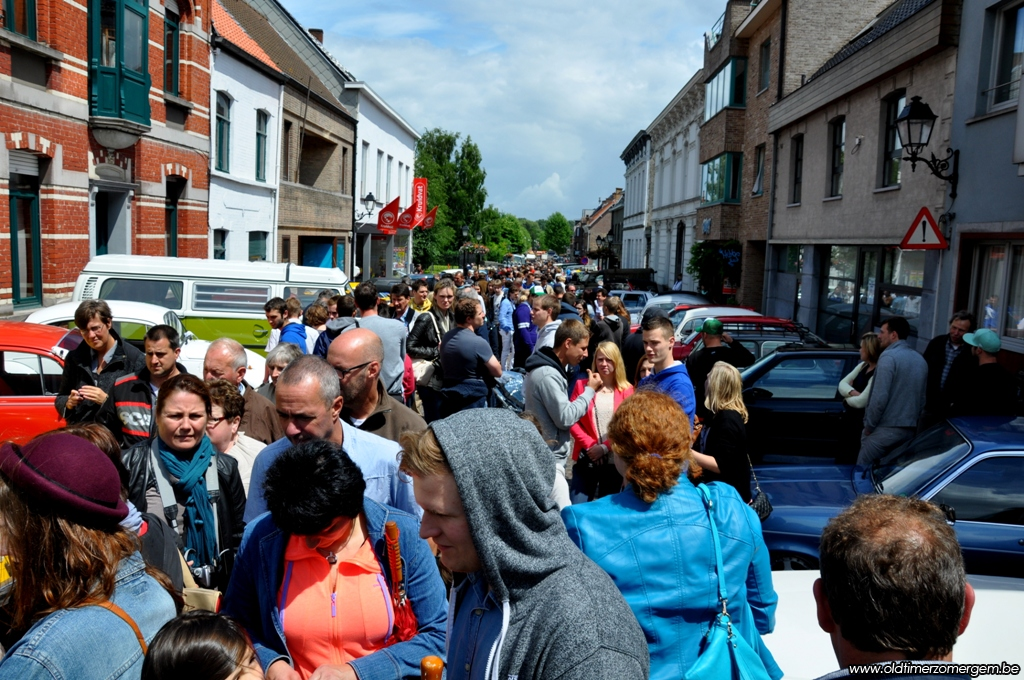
[973, 468]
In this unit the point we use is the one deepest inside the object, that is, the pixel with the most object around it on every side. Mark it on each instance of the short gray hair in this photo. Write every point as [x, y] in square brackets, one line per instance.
[311, 365]
[284, 354]
[239, 359]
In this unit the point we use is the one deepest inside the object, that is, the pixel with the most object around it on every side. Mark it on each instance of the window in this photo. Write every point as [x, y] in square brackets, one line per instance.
[220, 244]
[802, 378]
[223, 132]
[892, 152]
[362, 169]
[720, 179]
[1008, 59]
[26, 253]
[175, 187]
[156, 292]
[387, 187]
[989, 491]
[765, 66]
[262, 119]
[759, 169]
[380, 169]
[837, 133]
[727, 88]
[257, 246]
[286, 148]
[21, 17]
[797, 175]
[28, 375]
[997, 297]
[344, 169]
[286, 249]
[172, 40]
[119, 78]
[215, 297]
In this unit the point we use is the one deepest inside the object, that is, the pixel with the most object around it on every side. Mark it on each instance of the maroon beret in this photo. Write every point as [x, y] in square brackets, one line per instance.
[66, 475]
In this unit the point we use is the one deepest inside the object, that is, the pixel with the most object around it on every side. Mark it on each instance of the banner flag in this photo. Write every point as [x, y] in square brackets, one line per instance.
[419, 199]
[388, 219]
[428, 220]
[407, 220]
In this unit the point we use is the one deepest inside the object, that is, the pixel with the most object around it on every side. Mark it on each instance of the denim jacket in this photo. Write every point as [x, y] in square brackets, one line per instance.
[92, 642]
[661, 557]
[252, 596]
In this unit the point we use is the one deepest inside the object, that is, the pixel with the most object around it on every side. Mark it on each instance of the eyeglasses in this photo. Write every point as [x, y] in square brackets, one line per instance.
[213, 422]
[342, 372]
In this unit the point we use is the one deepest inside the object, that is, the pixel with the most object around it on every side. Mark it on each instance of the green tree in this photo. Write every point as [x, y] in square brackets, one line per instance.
[534, 230]
[503, 233]
[557, 233]
[455, 185]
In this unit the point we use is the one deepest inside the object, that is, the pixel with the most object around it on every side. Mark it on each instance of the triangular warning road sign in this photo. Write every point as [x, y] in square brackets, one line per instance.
[924, 234]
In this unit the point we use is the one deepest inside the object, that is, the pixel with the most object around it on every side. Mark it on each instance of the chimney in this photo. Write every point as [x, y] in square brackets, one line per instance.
[317, 33]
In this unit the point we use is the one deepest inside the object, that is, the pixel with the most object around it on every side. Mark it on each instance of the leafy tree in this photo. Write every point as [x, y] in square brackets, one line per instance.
[455, 179]
[503, 233]
[534, 230]
[557, 233]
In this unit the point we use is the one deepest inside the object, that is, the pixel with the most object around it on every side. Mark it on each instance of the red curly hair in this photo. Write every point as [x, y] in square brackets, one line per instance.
[651, 434]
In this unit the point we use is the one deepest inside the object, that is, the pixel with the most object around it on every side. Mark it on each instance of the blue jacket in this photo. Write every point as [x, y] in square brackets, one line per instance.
[525, 333]
[259, 568]
[295, 333]
[504, 315]
[675, 382]
[661, 557]
[92, 642]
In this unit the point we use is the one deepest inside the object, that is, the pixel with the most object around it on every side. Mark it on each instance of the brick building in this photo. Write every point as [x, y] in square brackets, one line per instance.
[756, 54]
[106, 140]
[594, 224]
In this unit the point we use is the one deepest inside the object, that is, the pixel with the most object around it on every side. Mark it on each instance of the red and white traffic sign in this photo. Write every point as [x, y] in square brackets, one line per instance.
[924, 233]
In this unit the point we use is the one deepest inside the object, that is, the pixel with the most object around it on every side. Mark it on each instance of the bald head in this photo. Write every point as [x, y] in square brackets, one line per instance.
[354, 347]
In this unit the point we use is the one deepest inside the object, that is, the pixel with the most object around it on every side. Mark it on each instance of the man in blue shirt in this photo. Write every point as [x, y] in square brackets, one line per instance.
[309, 404]
[669, 376]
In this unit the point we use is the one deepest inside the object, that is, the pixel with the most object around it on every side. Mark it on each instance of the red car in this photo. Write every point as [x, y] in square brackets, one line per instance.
[762, 335]
[31, 365]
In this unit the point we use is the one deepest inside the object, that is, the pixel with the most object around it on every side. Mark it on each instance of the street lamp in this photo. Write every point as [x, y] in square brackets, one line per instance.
[370, 203]
[479, 235]
[914, 126]
[465, 231]
[600, 246]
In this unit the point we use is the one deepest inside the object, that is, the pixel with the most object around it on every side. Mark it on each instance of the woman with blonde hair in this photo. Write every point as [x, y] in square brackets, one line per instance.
[724, 435]
[593, 474]
[654, 539]
[855, 389]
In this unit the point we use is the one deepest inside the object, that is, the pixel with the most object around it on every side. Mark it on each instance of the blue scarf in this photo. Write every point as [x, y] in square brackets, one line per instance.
[199, 521]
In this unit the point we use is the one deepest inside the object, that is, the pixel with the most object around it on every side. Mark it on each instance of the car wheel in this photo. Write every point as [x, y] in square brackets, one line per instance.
[792, 562]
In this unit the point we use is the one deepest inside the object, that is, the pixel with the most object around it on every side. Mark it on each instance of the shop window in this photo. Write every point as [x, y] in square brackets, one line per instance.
[119, 79]
[223, 132]
[21, 17]
[797, 174]
[220, 244]
[728, 88]
[892, 152]
[765, 66]
[262, 121]
[257, 246]
[1008, 57]
[837, 155]
[997, 297]
[721, 179]
[759, 169]
[172, 42]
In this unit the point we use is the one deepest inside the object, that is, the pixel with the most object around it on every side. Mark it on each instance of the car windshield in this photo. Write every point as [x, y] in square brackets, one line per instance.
[905, 471]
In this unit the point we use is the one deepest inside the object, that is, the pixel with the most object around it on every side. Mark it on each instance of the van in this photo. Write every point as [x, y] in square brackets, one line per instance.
[213, 298]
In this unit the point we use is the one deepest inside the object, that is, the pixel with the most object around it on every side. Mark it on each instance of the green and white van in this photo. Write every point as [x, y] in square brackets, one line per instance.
[214, 298]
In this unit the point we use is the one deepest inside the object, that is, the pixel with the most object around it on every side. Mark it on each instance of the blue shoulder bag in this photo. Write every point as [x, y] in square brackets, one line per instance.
[723, 655]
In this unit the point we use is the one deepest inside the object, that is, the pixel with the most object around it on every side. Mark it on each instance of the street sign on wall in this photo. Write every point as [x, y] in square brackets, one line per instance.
[924, 233]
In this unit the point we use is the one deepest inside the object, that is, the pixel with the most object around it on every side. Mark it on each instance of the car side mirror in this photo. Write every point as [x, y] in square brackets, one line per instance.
[189, 337]
[755, 393]
[950, 512]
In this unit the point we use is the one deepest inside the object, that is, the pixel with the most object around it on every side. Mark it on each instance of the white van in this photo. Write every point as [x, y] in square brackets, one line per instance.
[214, 298]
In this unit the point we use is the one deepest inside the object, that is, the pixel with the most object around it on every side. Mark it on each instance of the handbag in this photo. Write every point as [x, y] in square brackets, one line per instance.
[759, 499]
[423, 369]
[723, 654]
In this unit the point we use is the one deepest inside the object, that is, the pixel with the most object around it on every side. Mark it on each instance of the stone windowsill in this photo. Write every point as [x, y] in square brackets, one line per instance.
[8, 37]
[178, 101]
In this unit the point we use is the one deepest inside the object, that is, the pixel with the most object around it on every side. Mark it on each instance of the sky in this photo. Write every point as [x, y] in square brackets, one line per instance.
[551, 91]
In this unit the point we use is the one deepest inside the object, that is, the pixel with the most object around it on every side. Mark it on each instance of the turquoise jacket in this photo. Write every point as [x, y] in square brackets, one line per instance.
[661, 557]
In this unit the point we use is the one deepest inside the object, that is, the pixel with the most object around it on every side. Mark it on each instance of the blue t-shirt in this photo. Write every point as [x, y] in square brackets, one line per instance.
[463, 355]
[474, 630]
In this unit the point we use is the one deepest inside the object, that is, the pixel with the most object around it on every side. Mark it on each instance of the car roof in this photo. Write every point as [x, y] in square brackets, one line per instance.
[119, 309]
[25, 334]
[992, 432]
[716, 312]
[757, 320]
[112, 265]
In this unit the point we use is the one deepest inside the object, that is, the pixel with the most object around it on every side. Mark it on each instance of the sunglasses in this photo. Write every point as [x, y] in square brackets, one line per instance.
[342, 372]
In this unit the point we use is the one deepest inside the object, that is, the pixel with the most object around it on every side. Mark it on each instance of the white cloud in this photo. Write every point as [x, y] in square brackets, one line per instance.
[551, 90]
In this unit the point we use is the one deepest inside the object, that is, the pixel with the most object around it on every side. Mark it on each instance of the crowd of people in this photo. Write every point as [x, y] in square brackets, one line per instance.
[362, 508]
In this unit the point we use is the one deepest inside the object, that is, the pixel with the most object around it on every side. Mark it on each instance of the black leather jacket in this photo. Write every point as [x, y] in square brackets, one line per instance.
[424, 342]
[230, 505]
[77, 372]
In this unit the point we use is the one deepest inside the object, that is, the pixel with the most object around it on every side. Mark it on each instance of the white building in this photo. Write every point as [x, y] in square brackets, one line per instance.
[674, 186]
[246, 96]
[385, 156]
[637, 158]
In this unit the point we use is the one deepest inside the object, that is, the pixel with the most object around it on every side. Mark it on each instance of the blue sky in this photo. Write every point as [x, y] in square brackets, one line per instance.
[550, 90]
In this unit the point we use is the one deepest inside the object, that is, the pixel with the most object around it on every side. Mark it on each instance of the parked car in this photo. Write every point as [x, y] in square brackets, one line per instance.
[31, 366]
[973, 468]
[634, 279]
[133, 319]
[795, 410]
[429, 278]
[687, 317]
[672, 301]
[762, 335]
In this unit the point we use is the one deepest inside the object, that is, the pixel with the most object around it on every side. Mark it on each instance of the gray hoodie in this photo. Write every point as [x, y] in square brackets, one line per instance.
[546, 335]
[562, 617]
[547, 388]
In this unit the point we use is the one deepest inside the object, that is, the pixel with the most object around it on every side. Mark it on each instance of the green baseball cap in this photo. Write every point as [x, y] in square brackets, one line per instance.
[985, 338]
[711, 326]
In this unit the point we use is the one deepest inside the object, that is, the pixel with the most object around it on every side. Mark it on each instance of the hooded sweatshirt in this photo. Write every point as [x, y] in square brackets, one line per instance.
[335, 327]
[546, 335]
[547, 399]
[562, 617]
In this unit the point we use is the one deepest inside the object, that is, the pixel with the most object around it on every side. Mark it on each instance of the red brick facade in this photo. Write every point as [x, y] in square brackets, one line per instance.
[49, 116]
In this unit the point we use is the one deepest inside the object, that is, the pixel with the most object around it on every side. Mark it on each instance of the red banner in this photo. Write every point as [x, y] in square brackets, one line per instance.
[428, 220]
[407, 220]
[387, 221]
[419, 199]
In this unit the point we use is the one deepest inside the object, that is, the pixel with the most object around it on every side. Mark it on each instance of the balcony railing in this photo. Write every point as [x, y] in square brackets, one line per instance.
[712, 37]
